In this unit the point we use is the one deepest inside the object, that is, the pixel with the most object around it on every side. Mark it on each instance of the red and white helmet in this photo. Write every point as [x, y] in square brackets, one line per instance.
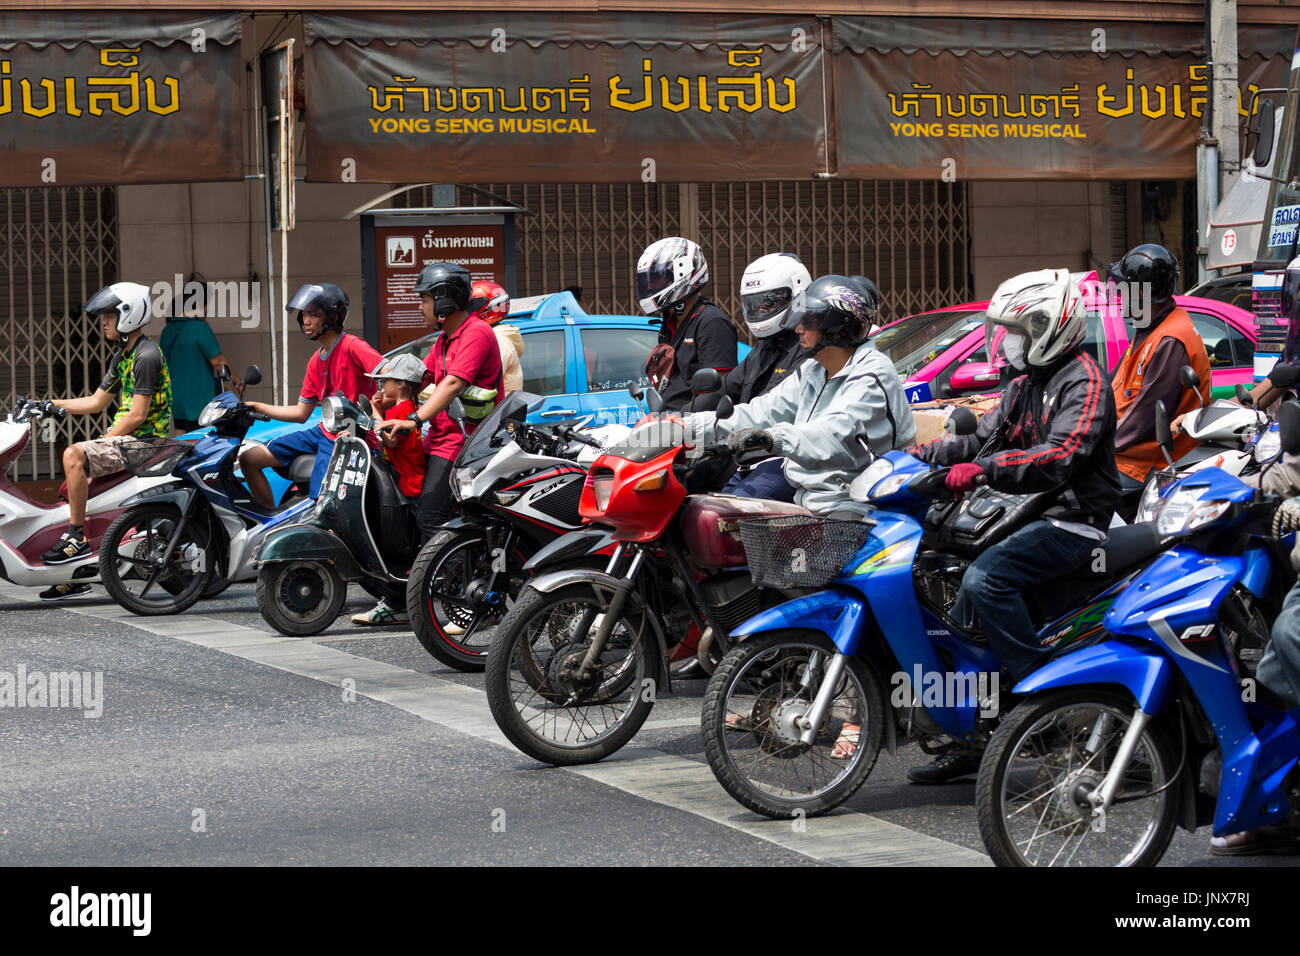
[489, 300]
[1047, 308]
[669, 272]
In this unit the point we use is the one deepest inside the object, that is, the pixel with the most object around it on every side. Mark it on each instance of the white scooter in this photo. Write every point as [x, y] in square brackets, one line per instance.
[29, 528]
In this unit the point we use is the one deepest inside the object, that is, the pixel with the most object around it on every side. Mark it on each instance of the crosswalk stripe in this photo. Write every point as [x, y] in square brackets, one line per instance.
[857, 839]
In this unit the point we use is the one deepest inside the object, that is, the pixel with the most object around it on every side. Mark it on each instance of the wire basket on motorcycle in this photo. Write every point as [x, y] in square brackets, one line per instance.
[154, 457]
[800, 551]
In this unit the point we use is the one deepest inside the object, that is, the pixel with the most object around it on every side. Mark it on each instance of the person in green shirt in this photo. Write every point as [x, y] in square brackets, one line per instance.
[193, 359]
[137, 373]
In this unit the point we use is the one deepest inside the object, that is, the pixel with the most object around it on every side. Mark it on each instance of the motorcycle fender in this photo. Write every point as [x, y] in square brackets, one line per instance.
[560, 579]
[1146, 676]
[567, 547]
[178, 493]
[309, 543]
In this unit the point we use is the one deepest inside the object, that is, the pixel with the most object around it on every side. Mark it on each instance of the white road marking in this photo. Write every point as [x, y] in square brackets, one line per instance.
[842, 838]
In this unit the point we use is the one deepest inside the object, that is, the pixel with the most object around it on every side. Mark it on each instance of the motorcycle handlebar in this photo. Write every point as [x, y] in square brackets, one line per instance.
[567, 432]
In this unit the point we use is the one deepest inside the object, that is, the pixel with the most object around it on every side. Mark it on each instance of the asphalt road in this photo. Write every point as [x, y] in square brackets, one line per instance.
[223, 742]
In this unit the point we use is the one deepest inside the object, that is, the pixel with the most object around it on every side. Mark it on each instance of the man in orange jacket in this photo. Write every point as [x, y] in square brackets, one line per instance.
[1164, 341]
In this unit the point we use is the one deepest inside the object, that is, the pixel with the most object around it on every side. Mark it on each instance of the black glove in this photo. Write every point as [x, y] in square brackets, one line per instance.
[749, 440]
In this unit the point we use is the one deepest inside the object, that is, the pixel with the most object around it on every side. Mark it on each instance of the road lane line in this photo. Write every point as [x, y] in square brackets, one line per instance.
[681, 784]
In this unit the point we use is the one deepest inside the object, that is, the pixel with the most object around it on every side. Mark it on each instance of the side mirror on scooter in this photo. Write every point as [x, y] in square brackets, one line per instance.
[1164, 435]
[1187, 375]
[705, 381]
[726, 408]
[1284, 376]
[654, 401]
[456, 412]
[252, 375]
[1244, 396]
[1289, 425]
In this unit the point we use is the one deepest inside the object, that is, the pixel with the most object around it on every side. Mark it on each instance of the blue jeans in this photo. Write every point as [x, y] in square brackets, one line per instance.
[765, 480]
[304, 441]
[993, 584]
[1279, 668]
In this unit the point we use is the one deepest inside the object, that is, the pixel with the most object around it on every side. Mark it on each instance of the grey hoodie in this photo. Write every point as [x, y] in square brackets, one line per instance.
[811, 420]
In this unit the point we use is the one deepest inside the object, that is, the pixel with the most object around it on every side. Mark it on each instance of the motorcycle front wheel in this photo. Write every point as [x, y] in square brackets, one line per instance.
[131, 553]
[539, 701]
[300, 598]
[755, 698]
[1044, 760]
[442, 590]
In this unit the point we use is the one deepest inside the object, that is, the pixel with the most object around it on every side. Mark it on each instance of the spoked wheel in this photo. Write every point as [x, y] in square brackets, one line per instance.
[300, 598]
[755, 700]
[132, 566]
[538, 696]
[453, 610]
[1045, 759]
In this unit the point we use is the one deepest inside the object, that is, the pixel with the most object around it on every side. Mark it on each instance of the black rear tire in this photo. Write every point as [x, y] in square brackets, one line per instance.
[300, 598]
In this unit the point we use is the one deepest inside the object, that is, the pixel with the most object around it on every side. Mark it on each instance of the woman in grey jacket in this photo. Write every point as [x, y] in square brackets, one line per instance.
[810, 420]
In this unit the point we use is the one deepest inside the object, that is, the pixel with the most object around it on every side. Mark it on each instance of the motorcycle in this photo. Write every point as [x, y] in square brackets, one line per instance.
[29, 528]
[362, 529]
[1160, 723]
[876, 644]
[518, 487]
[574, 668]
[194, 535]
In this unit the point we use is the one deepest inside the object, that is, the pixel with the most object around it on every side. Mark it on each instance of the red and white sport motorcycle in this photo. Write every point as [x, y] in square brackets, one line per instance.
[29, 528]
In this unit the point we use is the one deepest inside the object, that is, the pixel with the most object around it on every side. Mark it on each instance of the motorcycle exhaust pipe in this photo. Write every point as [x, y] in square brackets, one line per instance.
[702, 650]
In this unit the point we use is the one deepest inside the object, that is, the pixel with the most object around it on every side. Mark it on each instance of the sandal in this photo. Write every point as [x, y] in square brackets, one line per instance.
[846, 744]
[1274, 840]
[740, 723]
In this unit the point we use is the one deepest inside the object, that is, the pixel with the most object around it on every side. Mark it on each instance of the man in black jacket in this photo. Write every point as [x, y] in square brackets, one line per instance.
[767, 288]
[1053, 431]
[670, 277]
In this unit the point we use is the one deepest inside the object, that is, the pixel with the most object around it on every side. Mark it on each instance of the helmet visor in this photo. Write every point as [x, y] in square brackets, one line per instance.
[306, 295]
[105, 300]
[760, 306]
[654, 279]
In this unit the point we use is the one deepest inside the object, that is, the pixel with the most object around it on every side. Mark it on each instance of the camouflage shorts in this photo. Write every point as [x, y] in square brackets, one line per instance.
[104, 455]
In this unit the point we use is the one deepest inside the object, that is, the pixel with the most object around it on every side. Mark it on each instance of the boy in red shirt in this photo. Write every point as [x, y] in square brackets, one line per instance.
[341, 364]
[399, 380]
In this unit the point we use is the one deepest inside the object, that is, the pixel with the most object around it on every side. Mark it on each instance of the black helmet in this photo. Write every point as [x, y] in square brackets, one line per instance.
[332, 300]
[1148, 266]
[1291, 310]
[837, 307]
[449, 284]
[872, 294]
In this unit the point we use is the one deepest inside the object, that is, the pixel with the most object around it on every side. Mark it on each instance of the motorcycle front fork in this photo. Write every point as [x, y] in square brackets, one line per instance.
[809, 723]
[612, 613]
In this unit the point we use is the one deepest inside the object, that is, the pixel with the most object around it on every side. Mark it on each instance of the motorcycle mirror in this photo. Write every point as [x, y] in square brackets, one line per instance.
[1289, 424]
[1187, 375]
[1164, 436]
[636, 391]
[456, 411]
[1284, 376]
[363, 403]
[1244, 396]
[252, 375]
[725, 408]
[961, 421]
[654, 401]
[706, 380]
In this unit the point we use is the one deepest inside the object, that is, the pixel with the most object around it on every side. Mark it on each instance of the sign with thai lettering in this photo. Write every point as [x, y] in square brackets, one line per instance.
[1022, 106]
[126, 99]
[564, 98]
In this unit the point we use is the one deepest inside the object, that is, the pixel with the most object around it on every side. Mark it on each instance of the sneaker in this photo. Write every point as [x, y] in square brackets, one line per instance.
[381, 614]
[944, 769]
[60, 591]
[69, 548]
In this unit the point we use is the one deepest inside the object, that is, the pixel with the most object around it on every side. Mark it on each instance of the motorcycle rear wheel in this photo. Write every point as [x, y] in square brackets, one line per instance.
[1043, 760]
[749, 741]
[139, 536]
[564, 722]
[300, 598]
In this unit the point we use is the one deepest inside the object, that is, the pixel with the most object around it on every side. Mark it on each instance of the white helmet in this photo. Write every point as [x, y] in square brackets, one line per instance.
[668, 272]
[1047, 308]
[129, 300]
[766, 290]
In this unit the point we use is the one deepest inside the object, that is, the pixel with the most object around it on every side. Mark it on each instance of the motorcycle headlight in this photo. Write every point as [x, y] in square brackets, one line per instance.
[462, 481]
[860, 489]
[332, 415]
[1268, 446]
[211, 413]
[602, 485]
[1184, 511]
[889, 486]
[1150, 504]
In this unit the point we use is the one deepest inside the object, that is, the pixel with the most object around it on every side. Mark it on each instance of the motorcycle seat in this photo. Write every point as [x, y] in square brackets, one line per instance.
[1125, 548]
[97, 486]
[300, 469]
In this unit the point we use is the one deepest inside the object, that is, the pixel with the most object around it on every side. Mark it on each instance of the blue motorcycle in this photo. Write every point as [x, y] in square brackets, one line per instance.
[191, 537]
[1161, 722]
[877, 646]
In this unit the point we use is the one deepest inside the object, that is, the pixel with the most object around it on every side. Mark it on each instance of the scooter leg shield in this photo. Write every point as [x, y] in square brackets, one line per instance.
[308, 543]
